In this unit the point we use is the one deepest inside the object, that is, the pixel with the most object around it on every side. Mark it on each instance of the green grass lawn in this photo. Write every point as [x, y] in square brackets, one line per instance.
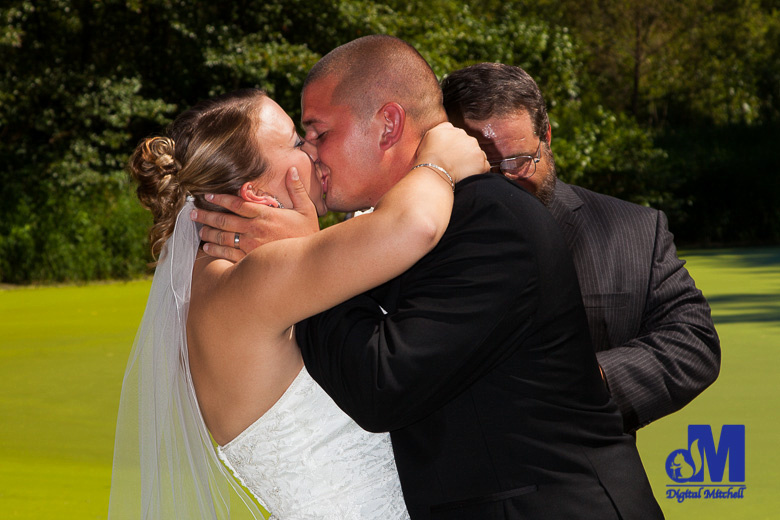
[63, 352]
[62, 356]
[743, 288]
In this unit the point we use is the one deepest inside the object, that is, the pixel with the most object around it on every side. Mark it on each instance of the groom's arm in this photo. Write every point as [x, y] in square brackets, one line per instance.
[452, 321]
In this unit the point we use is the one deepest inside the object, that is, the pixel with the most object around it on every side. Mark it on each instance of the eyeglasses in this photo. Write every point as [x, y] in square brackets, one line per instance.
[520, 166]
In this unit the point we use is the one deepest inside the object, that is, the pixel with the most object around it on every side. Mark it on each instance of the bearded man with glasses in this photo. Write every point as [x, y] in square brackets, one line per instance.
[651, 327]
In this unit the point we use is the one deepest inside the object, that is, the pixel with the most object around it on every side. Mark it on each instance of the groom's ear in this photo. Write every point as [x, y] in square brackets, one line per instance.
[393, 118]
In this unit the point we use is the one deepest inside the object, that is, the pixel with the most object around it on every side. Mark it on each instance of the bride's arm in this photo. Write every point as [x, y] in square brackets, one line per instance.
[295, 278]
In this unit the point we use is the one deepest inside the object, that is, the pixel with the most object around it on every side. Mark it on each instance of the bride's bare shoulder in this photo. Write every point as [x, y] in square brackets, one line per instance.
[207, 271]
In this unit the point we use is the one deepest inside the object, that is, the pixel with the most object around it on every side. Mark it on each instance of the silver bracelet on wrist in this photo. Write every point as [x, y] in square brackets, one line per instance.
[438, 168]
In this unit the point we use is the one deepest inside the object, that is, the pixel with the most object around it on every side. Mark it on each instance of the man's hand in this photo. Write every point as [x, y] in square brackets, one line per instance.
[256, 224]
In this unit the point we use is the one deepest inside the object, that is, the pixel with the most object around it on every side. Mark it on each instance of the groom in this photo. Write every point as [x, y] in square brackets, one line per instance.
[478, 361]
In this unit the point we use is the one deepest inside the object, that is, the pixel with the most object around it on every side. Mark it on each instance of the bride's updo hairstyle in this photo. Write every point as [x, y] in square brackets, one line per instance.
[211, 148]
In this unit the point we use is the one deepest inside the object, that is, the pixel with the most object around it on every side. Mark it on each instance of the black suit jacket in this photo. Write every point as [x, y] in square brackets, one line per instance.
[483, 372]
[649, 323]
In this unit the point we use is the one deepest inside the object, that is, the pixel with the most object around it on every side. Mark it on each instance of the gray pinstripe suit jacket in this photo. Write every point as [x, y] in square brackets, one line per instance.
[651, 327]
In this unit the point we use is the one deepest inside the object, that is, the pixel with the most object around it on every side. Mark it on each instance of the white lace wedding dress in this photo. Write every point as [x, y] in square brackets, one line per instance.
[305, 459]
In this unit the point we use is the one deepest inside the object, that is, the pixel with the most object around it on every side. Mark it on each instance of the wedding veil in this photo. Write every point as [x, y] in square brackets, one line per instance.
[165, 465]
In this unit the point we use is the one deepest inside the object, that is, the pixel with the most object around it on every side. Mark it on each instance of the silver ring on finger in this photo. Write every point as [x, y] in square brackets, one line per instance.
[236, 239]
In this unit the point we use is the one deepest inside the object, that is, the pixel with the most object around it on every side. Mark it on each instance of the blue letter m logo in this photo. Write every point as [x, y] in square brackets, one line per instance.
[731, 449]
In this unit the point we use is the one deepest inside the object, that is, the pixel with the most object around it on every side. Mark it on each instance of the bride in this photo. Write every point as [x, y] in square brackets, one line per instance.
[215, 359]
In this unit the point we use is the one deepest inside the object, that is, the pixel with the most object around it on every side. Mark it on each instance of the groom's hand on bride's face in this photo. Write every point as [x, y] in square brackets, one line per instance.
[254, 224]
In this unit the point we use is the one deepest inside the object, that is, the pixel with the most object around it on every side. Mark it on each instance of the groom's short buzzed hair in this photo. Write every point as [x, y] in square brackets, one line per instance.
[377, 69]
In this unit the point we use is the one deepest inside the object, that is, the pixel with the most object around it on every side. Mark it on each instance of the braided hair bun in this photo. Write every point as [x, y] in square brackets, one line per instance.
[154, 168]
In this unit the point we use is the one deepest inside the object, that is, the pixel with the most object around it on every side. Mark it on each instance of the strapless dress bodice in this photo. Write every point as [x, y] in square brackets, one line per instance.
[305, 459]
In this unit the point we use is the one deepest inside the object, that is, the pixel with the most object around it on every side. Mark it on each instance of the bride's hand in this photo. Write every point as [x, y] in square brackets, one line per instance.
[454, 150]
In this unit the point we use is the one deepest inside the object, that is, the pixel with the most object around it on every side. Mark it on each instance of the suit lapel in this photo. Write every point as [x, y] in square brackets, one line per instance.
[564, 208]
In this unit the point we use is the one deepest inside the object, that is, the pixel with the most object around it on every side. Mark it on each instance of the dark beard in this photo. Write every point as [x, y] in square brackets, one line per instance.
[546, 190]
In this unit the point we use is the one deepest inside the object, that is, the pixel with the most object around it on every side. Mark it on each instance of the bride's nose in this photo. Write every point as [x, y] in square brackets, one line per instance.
[310, 150]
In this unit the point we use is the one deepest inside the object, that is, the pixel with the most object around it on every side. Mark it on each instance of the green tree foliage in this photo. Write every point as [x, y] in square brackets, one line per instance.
[695, 77]
[82, 81]
[666, 61]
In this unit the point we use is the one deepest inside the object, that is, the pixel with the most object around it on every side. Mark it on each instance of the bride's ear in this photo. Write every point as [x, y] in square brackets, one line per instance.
[250, 193]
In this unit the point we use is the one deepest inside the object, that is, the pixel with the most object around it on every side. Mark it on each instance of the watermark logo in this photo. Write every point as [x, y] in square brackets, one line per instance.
[699, 471]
